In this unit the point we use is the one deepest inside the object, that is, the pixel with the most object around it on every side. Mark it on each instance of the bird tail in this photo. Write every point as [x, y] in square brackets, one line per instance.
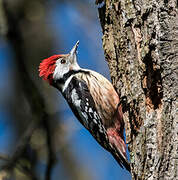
[118, 148]
[120, 153]
[122, 161]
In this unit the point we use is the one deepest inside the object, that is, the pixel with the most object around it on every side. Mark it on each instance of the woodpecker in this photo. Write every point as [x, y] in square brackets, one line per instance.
[92, 99]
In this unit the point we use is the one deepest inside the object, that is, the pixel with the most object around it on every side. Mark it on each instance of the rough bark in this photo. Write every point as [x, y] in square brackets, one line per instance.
[140, 40]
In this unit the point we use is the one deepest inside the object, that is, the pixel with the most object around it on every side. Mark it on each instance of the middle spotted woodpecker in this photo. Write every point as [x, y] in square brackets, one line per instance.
[92, 99]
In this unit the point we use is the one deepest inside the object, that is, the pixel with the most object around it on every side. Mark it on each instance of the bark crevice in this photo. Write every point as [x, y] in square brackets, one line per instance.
[152, 81]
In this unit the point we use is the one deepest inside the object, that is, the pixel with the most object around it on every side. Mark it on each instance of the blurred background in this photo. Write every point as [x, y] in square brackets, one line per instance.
[39, 136]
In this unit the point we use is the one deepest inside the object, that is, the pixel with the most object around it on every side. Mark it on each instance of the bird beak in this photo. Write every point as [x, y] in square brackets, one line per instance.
[73, 52]
[74, 49]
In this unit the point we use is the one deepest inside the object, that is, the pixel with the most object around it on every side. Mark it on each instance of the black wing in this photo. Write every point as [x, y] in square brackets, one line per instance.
[83, 106]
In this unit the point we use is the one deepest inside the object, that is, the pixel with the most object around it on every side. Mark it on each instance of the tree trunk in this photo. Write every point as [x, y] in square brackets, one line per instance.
[140, 40]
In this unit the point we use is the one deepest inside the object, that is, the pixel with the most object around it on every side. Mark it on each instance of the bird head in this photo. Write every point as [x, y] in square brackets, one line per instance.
[56, 66]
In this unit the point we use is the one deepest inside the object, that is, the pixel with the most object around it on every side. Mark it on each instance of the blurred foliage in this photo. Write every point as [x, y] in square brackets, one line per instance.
[38, 132]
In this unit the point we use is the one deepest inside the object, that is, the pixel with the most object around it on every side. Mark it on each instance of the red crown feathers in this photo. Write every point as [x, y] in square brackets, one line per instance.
[47, 67]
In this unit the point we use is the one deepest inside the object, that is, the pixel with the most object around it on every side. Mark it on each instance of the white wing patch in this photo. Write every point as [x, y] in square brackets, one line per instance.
[75, 98]
[67, 83]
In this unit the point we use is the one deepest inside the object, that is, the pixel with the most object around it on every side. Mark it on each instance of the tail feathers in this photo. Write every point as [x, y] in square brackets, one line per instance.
[122, 161]
[118, 148]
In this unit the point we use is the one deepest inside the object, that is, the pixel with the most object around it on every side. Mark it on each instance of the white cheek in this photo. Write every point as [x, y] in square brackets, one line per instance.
[60, 70]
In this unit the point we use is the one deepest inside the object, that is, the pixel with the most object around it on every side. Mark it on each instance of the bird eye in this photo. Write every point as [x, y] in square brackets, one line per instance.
[63, 61]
